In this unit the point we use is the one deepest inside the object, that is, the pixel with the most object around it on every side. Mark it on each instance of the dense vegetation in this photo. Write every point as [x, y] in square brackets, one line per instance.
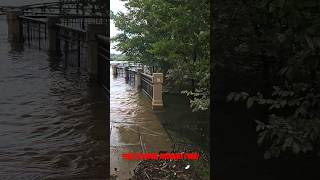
[173, 37]
[276, 43]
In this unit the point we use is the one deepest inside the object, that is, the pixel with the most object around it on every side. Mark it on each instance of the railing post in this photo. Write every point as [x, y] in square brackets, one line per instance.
[15, 26]
[53, 32]
[92, 31]
[126, 73]
[138, 78]
[114, 70]
[157, 80]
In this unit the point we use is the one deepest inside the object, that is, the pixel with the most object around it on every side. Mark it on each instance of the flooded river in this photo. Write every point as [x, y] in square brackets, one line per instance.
[53, 121]
[134, 127]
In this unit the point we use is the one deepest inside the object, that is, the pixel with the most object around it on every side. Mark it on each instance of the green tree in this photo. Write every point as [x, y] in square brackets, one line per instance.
[281, 39]
[173, 37]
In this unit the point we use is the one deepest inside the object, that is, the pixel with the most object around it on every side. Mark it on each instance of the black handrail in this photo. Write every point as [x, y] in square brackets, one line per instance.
[147, 84]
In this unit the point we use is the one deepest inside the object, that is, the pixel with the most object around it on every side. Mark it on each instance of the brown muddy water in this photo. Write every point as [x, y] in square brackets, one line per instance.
[135, 125]
[53, 121]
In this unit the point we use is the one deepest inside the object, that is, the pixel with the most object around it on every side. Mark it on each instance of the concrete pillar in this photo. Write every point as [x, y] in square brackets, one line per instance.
[157, 80]
[92, 31]
[126, 73]
[114, 70]
[15, 26]
[54, 42]
[138, 78]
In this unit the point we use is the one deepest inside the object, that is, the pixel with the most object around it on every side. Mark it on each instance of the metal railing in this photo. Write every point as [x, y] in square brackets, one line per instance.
[120, 71]
[151, 85]
[67, 7]
[131, 77]
[147, 85]
[35, 32]
[73, 44]
[67, 29]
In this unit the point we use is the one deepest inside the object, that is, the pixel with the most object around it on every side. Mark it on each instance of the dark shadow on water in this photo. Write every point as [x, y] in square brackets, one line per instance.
[182, 124]
[16, 47]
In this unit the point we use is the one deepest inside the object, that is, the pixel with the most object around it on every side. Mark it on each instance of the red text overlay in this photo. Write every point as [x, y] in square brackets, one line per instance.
[161, 156]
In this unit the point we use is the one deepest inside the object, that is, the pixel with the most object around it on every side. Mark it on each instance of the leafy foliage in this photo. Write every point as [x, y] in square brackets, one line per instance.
[173, 37]
[285, 44]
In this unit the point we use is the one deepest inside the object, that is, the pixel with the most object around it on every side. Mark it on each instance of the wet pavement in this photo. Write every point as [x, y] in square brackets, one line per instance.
[134, 127]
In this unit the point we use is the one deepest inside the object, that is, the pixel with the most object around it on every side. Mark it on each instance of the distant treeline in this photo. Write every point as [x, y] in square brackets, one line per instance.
[118, 57]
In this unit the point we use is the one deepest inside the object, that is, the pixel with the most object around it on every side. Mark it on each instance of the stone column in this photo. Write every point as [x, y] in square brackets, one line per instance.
[15, 26]
[157, 103]
[114, 70]
[92, 31]
[54, 41]
[142, 68]
[126, 73]
[138, 78]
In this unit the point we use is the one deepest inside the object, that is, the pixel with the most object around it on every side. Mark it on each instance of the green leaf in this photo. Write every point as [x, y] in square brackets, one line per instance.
[295, 148]
[237, 97]
[250, 102]
[267, 155]
[230, 96]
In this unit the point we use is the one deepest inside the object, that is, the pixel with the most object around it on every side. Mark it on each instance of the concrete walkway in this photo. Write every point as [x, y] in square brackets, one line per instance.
[134, 127]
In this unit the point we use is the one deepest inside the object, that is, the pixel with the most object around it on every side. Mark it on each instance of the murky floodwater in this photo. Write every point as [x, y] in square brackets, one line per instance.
[53, 121]
[135, 127]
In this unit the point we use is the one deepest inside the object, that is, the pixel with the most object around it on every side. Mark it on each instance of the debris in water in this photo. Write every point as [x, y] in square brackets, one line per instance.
[164, 169]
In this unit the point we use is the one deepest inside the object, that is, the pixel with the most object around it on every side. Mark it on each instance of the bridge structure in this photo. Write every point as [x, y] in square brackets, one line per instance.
[76, 31]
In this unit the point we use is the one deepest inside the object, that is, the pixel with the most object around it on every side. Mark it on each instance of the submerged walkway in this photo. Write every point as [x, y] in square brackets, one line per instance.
[134, 127]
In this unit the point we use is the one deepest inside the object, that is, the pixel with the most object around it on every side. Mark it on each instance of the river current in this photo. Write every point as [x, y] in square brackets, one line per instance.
[53, 120]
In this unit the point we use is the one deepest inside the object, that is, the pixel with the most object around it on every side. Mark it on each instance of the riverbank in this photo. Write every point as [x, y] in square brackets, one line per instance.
[188, 130]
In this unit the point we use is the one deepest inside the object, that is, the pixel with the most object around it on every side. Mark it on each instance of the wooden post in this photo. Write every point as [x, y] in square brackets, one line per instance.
[92, 31]
[53, 30]
[157, 80]
[15, 26]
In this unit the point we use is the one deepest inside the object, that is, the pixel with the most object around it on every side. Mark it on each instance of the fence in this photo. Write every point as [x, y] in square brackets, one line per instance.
[85, 49]
[119, 71]
[130, 76]
[67, 7]
[146, 84]
[151, 85]
[34, 32]
[73, 43]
